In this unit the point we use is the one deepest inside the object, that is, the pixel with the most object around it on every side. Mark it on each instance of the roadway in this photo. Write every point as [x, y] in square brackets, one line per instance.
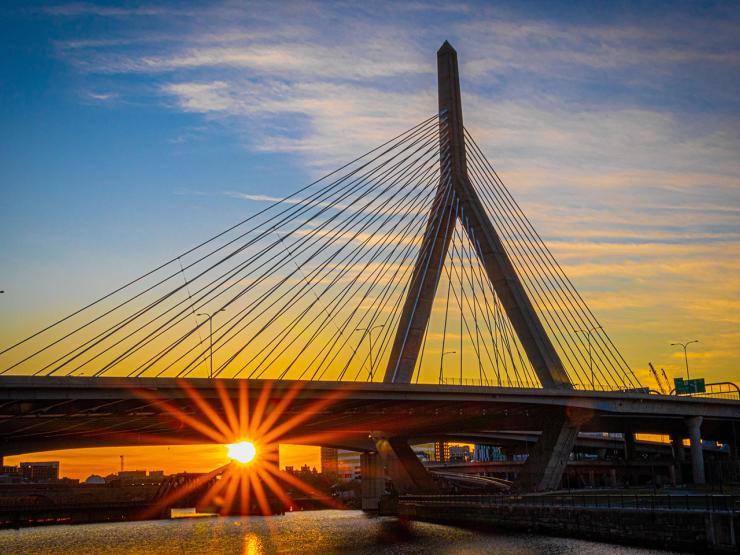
[42, 413]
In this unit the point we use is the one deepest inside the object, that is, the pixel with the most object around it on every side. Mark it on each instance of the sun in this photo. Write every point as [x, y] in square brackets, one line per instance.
[243, 451]
[251, 483]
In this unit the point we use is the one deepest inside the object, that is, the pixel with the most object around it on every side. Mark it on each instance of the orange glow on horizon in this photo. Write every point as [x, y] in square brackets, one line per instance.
[249, 483]
[81, 463]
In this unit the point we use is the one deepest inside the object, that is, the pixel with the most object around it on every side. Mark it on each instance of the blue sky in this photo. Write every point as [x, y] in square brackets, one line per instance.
[131, 132]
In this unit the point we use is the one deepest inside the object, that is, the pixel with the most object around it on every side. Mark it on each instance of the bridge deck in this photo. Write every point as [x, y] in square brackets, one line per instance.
[39, 413]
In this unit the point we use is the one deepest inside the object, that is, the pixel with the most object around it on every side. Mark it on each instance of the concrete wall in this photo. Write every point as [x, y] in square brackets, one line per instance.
[684, 530]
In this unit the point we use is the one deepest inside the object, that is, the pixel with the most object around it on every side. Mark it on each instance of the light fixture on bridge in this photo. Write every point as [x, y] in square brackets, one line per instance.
[685, 355]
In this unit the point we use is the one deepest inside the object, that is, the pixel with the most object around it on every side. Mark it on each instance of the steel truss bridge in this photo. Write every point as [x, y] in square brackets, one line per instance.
[343, 315]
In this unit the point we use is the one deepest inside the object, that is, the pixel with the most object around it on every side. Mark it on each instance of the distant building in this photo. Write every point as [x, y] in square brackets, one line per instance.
[9, 474]
[425, 452]
[487, 453]
[305, 469]
[348, 465]
[8, 469]
[458, 453]
[441, 451]
[95, 479]
[329, 460]
[40, 471]
[343, 464]
[132, 474]
[138, 477]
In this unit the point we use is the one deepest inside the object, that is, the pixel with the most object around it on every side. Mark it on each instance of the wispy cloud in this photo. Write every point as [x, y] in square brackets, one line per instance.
[77, 9]
[568, 45]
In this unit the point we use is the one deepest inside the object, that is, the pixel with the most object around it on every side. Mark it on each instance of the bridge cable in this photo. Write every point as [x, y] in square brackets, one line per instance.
[569, 289]
[189, 251]
[270, 246]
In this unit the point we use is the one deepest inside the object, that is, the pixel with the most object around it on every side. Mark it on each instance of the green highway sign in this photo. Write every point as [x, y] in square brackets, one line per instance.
[687, 387]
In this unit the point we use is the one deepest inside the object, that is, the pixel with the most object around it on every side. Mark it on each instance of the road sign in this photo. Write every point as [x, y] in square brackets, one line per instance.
[687, 387]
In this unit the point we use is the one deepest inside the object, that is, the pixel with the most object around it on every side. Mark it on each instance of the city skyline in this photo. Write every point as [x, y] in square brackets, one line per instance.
[81, 463]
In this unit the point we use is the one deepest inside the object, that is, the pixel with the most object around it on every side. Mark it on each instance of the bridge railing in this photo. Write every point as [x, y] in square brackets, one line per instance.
[493, 382]
[486, 382]
[721, 390]
[624, 501]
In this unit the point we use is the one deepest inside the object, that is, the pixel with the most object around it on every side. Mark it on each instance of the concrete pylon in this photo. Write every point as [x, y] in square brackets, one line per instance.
[557, 440]
[481, 232]
[404, 467]
[544, 467]
[693, 427]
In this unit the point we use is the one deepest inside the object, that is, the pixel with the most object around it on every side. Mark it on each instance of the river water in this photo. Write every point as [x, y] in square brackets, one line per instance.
[302, 532]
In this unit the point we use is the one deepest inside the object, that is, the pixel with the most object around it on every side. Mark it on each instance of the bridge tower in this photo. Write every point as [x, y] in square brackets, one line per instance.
[545, 465]
[417, 307]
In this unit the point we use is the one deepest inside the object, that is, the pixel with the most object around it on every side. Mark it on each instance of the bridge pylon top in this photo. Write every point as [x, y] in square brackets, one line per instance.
[458, 199]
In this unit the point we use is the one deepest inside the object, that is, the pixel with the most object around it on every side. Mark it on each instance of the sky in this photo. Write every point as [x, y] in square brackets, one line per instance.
[130, 133]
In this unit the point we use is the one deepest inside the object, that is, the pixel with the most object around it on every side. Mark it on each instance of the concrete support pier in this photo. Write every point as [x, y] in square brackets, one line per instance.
[693, 426]
[732, 444]
[546, 462]
[630, 455]
[373, 480]
[678, 456]
[404, 467]
[629, 446]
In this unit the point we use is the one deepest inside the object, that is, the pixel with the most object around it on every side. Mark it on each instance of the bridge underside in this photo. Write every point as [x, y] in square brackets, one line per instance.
[39, 414]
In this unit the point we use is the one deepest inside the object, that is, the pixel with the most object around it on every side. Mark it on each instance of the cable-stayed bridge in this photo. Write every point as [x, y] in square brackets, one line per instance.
[405, 295]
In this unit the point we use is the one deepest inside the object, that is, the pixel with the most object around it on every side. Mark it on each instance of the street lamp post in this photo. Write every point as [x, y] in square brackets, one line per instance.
[685, 356]
[590, 357]
[369, 332]
[210, 316]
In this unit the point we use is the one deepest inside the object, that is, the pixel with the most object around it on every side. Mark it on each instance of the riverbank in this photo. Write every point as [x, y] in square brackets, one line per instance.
[685, 523]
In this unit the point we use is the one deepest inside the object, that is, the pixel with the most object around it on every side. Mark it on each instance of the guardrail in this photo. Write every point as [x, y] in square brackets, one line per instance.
[703, 503]
[491, 382]
[719, 390]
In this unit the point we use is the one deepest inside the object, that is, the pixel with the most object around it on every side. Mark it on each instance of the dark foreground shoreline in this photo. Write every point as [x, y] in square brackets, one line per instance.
[696, 527]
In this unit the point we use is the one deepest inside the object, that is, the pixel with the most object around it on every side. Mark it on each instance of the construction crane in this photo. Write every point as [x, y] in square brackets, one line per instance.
[663, 386]
[666, 380]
